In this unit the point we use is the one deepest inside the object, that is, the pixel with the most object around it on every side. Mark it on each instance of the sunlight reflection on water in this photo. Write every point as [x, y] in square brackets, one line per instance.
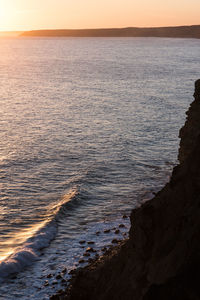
[95, 117]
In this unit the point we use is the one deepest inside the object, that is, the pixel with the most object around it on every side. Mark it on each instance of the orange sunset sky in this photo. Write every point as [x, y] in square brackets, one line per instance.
[19, 15]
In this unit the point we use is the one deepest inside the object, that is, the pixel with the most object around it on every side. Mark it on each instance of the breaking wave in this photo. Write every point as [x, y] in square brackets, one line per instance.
[35, 239]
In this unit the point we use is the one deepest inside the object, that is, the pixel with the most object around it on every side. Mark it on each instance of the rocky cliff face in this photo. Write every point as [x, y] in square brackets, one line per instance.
[161, 258]
[190, 131]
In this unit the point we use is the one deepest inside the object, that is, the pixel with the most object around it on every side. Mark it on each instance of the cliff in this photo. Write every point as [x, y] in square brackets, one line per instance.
[161, 258]
[190, 131]
[172, 32]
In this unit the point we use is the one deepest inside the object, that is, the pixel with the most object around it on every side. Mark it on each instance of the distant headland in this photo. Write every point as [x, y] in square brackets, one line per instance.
[170, 32]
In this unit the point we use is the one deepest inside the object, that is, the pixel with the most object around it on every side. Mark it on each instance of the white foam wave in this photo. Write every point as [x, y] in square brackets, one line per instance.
[34, 239]
[25, 255]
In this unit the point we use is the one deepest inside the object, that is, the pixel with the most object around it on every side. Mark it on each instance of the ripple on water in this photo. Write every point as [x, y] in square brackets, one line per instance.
[111, 135]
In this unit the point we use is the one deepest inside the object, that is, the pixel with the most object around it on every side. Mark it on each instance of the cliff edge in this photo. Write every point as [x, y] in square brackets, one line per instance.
[161, 258]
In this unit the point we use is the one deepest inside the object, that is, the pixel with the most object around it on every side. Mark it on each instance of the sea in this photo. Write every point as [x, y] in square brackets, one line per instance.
[88, 131]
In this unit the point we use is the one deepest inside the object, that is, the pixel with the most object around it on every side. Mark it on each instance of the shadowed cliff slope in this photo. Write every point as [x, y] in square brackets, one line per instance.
[161, 259]
[173, 32]
[190, 131]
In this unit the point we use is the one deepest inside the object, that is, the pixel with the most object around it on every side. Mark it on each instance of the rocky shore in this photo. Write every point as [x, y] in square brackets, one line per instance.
[161, 258]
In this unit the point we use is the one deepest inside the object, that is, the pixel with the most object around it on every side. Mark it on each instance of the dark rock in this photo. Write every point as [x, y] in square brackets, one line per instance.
[197, 90]
[64, 280]
[58, 276]
[98, 232]
[90, 249]
[91, 243]
[106, 231]
[124, 217]
[81, 261]
[81, 242]
[49, 275]
[64, 270]
[117, 231]
[103, 249]
[115, 241]
[121, 226]
[191, 130]
[86, 254]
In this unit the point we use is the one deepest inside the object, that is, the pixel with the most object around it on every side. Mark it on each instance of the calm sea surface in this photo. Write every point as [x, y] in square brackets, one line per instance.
[88, 129]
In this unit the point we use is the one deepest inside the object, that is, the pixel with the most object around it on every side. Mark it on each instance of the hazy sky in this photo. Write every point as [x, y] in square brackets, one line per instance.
[45, 14]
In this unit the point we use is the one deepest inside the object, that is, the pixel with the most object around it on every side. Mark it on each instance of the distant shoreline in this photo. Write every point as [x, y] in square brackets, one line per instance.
[192, 31]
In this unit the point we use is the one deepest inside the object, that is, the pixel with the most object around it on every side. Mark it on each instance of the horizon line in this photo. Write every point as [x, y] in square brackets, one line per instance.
[96, 28]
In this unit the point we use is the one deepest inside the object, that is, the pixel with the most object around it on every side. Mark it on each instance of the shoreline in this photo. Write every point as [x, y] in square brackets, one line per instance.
[160, 260]
[93, 246]
[98, 259]
[116, 238]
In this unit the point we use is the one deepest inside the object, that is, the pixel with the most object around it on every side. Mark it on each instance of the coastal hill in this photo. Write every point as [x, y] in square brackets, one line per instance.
[171, 32]
[161, 258]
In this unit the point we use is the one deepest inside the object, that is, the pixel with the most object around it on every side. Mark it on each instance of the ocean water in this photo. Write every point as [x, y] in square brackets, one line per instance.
[88, 131]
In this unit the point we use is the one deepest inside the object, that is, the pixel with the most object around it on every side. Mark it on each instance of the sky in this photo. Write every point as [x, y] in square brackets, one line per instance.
[21, 15]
